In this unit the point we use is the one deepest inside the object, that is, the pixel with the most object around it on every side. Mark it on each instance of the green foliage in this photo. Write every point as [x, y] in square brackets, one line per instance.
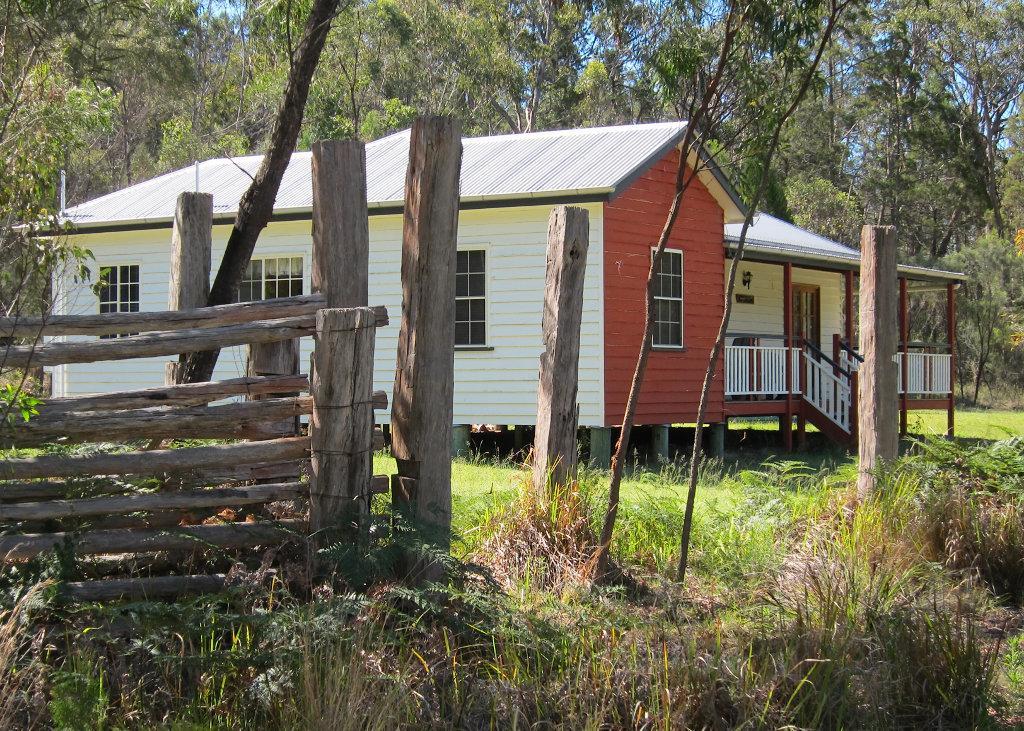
[79, 700]
[819, 206]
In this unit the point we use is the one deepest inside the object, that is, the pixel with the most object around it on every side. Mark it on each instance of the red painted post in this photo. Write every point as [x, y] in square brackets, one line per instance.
[951, 337]
[904, 348]
[849, 331]
[787, 337]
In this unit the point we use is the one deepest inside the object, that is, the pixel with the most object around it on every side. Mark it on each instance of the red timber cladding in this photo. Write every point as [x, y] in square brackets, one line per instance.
[632, 225]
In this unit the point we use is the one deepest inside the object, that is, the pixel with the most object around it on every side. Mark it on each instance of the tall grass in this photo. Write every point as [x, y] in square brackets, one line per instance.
[20, 674]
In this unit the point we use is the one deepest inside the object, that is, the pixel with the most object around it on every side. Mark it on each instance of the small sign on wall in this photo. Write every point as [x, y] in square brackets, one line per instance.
[745, 299]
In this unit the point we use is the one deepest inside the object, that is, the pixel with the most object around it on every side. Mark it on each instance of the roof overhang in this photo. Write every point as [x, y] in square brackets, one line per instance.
[375, 208]
[925, 278]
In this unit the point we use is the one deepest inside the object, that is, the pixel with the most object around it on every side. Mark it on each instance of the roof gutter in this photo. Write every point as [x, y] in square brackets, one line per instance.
[379, 208]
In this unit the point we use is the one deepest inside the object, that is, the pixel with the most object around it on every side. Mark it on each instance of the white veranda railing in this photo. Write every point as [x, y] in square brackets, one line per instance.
[928, 374]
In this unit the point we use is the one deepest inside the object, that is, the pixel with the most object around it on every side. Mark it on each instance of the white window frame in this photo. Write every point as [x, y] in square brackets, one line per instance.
[681, 299]
[263, 272]
[482, 247]
[118, 302]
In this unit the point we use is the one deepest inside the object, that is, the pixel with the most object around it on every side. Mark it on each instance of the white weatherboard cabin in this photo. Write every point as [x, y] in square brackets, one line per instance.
[794, 286]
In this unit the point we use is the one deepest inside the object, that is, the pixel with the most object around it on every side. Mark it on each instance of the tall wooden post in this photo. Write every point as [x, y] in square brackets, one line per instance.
[554, 445]
[341, 426]
[421, 412]
[904, 357]
[787, 338]
[877, 418]
[341, 372]
[951, 339]
[341, 238]
[191, 251]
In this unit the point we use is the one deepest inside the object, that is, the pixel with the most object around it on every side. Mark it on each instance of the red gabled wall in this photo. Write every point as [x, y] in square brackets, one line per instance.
[632, 225]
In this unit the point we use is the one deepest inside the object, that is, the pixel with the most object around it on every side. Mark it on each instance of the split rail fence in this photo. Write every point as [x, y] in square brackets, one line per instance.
[55, 500]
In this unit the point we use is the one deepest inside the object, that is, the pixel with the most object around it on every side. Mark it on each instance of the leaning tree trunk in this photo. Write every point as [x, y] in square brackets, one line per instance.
[257, 204]
[837, 10]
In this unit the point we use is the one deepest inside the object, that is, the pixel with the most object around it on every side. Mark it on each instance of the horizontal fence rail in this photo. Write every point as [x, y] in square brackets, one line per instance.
[114, 323]
[188, 394]
[133, 540]
[156, 461]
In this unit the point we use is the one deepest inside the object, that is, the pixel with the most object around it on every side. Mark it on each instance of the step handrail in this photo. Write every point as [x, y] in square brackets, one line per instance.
[818, 352]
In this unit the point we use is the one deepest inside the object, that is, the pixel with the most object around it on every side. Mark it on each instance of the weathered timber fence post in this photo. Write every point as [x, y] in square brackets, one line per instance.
[341, 426]
[554, 445]
[877, 416]
[341, 238]
[422, 411]
[341, 371]
[191, 251]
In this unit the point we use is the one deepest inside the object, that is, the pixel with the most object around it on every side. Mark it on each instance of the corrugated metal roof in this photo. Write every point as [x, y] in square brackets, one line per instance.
[559, 163]
[773, 235]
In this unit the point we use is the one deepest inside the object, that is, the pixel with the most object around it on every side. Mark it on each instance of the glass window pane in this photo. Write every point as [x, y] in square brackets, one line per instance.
[297, 266]
[477, 333]
[270, 268]
[476, 310]
[461, 310]
[462, 262]
[462, 333]
[476, 285]
[461, 285]
[476, 261]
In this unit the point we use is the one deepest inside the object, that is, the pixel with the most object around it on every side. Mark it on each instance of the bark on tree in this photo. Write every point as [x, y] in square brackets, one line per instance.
[257, 204]
[836, 12]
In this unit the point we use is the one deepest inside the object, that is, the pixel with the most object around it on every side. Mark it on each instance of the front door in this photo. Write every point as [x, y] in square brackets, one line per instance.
[807, 313]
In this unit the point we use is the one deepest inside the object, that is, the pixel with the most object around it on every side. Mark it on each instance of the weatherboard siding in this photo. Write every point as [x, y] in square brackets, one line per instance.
[765, 315]
[633, 223]
[497, 385]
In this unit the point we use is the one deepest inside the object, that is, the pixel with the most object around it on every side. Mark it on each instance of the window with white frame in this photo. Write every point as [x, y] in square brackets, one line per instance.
[271, 277]
[470, 297]
[119, 290]
[668, 300]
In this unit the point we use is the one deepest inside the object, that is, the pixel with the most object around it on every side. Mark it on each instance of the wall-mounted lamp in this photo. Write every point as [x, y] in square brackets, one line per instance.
[748, 277]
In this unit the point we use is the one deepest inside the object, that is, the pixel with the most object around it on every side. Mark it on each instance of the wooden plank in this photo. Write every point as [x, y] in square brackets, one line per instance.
[112, 323]
[150, 587]
[187, 394]
[341, 232]
[554, 445]
[156, 501]
[341, 428]
[191, 251]
[421, 412]
[21, 491]
[131, 540]
[233, 420]
[158, 343]
[156, 461]
[877, 417]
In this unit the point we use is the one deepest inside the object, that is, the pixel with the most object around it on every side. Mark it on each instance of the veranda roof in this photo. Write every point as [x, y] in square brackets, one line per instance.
[772, 238]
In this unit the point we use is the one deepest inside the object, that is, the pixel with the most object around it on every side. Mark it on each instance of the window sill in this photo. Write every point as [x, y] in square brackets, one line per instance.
[669, 348]
[473, 348]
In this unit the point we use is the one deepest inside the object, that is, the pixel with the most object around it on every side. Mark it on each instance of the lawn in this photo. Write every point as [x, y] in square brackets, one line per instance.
[970, 423]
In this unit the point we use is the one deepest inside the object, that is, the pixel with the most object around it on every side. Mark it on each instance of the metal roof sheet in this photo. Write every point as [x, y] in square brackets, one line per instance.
[773, 235]
[558, 163]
